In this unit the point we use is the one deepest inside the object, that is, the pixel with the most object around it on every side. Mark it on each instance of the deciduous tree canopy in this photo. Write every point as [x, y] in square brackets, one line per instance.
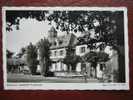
[44, 55]
[101, 26]
[32, 58]
[108, 25]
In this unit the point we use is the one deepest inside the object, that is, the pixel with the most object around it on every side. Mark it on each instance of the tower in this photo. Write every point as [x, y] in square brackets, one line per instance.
[52, 34]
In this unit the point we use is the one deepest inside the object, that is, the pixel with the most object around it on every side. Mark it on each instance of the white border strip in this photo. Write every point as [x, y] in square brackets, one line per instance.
[66, 86]
[4, 46]
[67, 8]
[126, 46]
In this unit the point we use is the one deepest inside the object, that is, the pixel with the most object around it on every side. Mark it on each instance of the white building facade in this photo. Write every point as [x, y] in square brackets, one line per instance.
[58, 49]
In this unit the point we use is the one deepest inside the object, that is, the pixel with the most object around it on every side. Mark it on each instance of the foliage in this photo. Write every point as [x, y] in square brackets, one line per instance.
[108, 26]
[71, 59]
[22, 52]
[44, 55]
[105, 23]
[96, 57]
[102, 57]
[9, 54]
[90, 57]
[14, 17]
[32, 58]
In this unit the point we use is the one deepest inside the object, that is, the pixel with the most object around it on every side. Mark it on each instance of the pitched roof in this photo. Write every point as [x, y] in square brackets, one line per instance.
[64, 41]
[52, 29]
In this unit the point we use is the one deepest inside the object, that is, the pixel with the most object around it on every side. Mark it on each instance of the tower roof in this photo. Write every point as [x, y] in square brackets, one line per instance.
[53, 30]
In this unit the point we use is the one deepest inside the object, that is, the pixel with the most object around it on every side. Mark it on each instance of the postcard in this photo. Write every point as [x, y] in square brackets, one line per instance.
[65, 48]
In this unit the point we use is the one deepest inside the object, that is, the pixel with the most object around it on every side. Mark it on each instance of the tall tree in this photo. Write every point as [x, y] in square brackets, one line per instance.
[32, 58]
[44, 55]
[95, 57]
[9, 55]
[71, 59]
[13, 17]
[108, 27]
[22, 52]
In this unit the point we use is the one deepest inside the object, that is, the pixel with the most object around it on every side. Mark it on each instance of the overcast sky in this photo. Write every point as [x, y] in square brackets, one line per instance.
[30, 30]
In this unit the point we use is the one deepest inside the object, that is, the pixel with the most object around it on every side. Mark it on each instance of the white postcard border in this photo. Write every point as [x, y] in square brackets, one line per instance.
[66, 86]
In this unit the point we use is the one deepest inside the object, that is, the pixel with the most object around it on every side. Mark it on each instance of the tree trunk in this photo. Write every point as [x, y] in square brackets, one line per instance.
[69, 68]
[33, 70]
[73, 68]
[121, 73]
[95, 72]
[42, 67]
[94, 65]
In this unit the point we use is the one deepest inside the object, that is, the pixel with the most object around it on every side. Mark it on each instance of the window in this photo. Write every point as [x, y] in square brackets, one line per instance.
[51, 53]
[60, 42]
[82, 50]
[61, 52]
[55, 53]
[55, 43]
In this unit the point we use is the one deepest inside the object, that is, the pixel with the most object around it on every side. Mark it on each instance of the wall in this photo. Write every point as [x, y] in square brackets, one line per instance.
[78, 49]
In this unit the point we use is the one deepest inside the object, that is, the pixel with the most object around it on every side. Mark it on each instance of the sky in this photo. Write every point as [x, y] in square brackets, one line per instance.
[30, 30]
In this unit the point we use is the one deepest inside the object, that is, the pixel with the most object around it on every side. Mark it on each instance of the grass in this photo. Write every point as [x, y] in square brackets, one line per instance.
[17, 78]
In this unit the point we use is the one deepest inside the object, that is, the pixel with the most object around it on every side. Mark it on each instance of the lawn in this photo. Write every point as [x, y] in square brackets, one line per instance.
[40, 79]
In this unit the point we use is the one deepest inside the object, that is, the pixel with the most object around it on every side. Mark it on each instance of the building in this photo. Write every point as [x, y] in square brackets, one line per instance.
[58, 47]
[81, 49]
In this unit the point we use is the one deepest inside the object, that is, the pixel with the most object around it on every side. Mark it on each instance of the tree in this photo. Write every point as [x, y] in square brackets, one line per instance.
[95, 57]
[14, 17]
[108, 27]
[32, 58]
[71, 59]
[44, 55]
[9, 55]
[22, 52]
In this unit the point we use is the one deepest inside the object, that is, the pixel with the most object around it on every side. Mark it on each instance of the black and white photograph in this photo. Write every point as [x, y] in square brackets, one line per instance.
[65, 48]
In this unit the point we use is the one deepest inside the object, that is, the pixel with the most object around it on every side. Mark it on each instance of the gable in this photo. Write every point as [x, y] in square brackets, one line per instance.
[64, 41]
